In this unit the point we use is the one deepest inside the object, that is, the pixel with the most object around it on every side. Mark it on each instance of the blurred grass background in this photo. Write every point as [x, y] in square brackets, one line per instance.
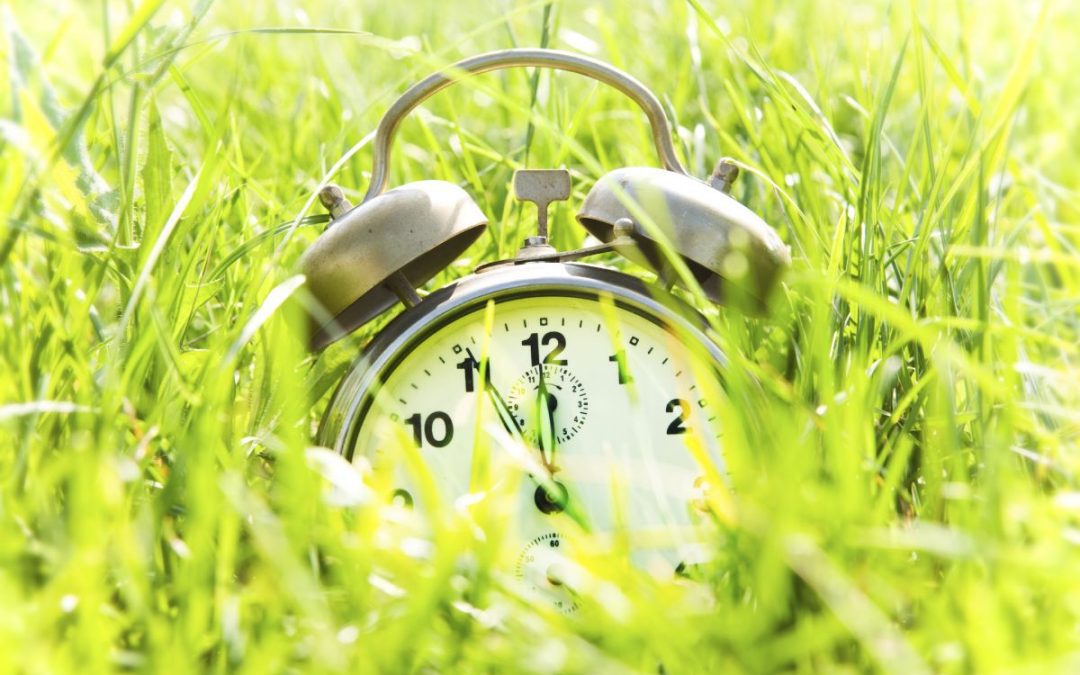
[906, 492]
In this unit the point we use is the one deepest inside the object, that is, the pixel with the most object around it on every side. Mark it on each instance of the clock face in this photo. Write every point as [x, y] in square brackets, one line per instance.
[597, 400]
[583, 390]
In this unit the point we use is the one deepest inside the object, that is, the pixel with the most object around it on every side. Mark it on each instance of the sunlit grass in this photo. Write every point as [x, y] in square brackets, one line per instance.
[900, 429]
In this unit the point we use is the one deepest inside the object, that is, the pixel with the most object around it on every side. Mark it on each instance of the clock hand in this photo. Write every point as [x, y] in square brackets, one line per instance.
[507, 418]
[509, 421]
[551, 496]
[544, 413]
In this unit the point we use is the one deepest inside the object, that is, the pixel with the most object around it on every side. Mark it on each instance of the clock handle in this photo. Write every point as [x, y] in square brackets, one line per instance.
[518, 58]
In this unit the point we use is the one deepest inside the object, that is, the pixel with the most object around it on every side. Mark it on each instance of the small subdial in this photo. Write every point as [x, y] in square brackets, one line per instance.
[545, 571]
[567, 402]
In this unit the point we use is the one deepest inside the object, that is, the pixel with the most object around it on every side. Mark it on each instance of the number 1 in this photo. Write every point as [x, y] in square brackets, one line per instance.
[619, 358]
[469, 365]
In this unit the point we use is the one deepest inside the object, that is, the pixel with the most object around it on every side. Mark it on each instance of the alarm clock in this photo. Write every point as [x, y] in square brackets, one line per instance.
[588, 376]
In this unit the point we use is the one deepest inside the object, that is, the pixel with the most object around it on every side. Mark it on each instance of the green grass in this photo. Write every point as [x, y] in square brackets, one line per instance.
[905, 492]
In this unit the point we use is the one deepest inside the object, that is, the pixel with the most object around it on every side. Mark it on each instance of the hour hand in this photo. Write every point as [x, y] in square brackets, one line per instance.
[544, 417]
[508, 419]
[498, 402]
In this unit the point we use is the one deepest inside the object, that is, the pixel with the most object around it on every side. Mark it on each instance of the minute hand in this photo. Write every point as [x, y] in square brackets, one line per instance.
[544, 413]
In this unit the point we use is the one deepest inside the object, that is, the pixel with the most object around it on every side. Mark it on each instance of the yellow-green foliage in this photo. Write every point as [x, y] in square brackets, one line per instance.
[905, 492]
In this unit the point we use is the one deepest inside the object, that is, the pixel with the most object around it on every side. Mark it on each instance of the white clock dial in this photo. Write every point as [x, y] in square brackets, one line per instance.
[600, 393]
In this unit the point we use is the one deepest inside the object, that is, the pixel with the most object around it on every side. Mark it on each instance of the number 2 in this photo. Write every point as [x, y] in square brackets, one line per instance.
[676, 427]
